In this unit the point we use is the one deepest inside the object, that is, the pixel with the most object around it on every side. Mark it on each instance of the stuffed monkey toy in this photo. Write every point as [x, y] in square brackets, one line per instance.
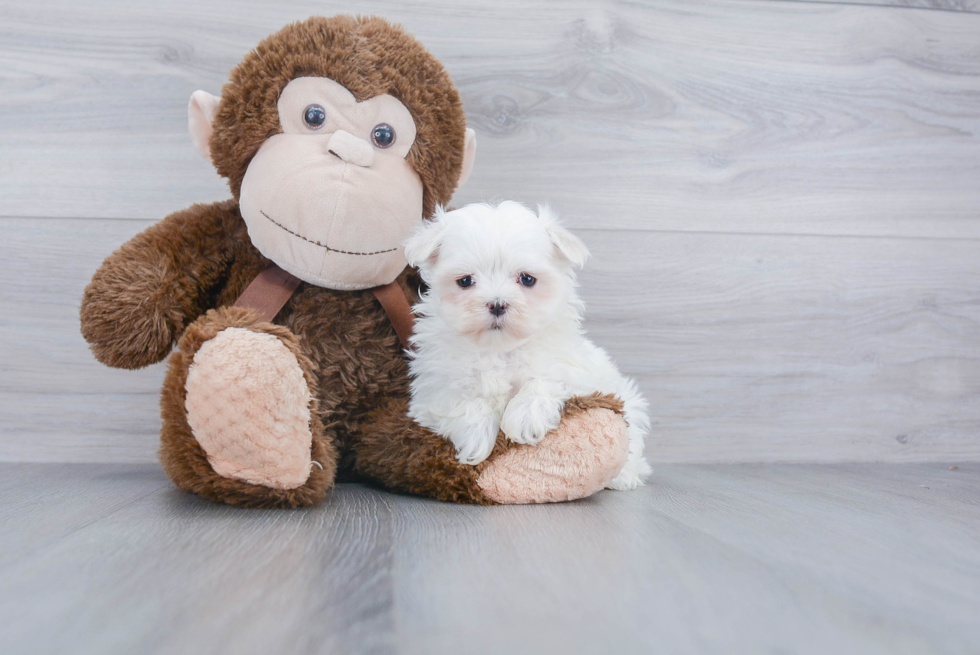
[289, 303]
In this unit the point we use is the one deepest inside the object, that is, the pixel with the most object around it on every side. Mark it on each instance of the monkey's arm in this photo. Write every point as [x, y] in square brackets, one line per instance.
[144, 294]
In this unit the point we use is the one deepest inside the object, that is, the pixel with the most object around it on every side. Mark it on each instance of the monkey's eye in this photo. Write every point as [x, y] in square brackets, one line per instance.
[465, 281]
[383, 135]
[314, 116]
[527, 280]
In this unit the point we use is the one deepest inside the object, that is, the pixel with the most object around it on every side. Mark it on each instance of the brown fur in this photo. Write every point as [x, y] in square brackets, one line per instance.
[402, 456]
[370, 57]
[595, 401]
[147, 292]
[186, 462]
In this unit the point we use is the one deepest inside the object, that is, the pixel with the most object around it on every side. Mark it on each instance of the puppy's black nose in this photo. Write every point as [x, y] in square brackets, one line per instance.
[497, 308]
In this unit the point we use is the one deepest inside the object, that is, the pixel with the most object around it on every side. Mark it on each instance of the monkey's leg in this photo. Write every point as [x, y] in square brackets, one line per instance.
[239, 419]
[576, 459]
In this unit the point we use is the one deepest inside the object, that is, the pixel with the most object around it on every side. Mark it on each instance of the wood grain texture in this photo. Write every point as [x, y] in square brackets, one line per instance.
[782, 198]
[749, 347]
[751, 116]
[44, 504]
[736, 559]
[969, 6]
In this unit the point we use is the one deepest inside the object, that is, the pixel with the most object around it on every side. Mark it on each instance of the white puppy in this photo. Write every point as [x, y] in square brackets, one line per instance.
[499, 342]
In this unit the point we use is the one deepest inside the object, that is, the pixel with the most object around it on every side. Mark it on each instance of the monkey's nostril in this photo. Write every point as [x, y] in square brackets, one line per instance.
[497, 308]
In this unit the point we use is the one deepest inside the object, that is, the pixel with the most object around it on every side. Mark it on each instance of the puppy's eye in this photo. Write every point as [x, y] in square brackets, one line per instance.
[314, 116]
[382, 136]
[527, 280]
[465, 281]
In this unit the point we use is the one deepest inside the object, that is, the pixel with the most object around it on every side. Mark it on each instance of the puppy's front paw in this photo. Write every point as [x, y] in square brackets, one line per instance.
[528, 418]
[475, 442]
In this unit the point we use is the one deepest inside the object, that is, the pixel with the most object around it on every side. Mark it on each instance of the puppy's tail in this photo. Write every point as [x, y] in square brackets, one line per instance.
[635, 410]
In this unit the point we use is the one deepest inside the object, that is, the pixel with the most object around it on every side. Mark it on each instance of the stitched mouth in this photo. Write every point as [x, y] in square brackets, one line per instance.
[323, 245]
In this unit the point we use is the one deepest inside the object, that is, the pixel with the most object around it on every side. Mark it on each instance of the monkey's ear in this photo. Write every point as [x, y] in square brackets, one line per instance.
[469, 155]
[200, 114]
[568, 245]
[422, 247]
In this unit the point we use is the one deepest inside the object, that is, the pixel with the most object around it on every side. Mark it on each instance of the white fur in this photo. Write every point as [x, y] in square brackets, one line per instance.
[474, 373]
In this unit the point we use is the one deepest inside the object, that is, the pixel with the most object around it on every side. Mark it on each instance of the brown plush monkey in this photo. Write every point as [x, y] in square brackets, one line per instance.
[337, 136]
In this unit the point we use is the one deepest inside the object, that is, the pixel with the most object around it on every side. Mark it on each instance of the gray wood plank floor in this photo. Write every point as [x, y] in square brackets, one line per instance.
[706, 559]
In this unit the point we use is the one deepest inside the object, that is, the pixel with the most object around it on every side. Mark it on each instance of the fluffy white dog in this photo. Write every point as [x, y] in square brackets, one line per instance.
[499, 342]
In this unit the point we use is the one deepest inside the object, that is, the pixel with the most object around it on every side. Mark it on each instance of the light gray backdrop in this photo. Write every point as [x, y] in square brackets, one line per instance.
[782, 200]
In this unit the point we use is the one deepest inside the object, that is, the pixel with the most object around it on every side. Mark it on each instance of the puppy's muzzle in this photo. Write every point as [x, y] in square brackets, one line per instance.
[497, 308]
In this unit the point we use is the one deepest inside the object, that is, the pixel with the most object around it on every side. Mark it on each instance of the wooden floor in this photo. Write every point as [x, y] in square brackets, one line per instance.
[846, 558]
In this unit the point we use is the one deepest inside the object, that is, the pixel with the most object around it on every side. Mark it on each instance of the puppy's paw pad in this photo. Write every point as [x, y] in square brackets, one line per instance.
[527, 420]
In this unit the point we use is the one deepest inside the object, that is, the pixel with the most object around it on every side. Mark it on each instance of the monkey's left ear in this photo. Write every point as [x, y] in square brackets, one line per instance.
[200, 114]
[469, 154]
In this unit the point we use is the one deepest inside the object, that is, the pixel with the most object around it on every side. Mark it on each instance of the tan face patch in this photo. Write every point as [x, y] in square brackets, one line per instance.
[327, 199]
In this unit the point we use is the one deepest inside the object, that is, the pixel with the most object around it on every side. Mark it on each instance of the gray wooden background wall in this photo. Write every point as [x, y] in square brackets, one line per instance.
[782, 199]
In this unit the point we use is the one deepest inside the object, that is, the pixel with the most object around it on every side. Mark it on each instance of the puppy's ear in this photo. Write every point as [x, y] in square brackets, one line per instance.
[568, 245]
[422, 248]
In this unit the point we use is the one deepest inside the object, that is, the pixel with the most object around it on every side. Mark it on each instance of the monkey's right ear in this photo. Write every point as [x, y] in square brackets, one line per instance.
[422, 248]
[469, 156]
[200, 114]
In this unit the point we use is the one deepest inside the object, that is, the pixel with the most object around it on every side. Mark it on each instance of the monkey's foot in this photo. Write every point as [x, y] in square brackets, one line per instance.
[238, 419]
[249, 408]
[578, 458]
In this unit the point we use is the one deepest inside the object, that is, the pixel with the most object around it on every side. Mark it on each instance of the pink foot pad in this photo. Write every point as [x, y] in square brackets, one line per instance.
[248, 406]
[578, 458]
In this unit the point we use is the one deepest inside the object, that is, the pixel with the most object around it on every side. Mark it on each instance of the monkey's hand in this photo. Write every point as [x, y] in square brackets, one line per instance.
[144, 294]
